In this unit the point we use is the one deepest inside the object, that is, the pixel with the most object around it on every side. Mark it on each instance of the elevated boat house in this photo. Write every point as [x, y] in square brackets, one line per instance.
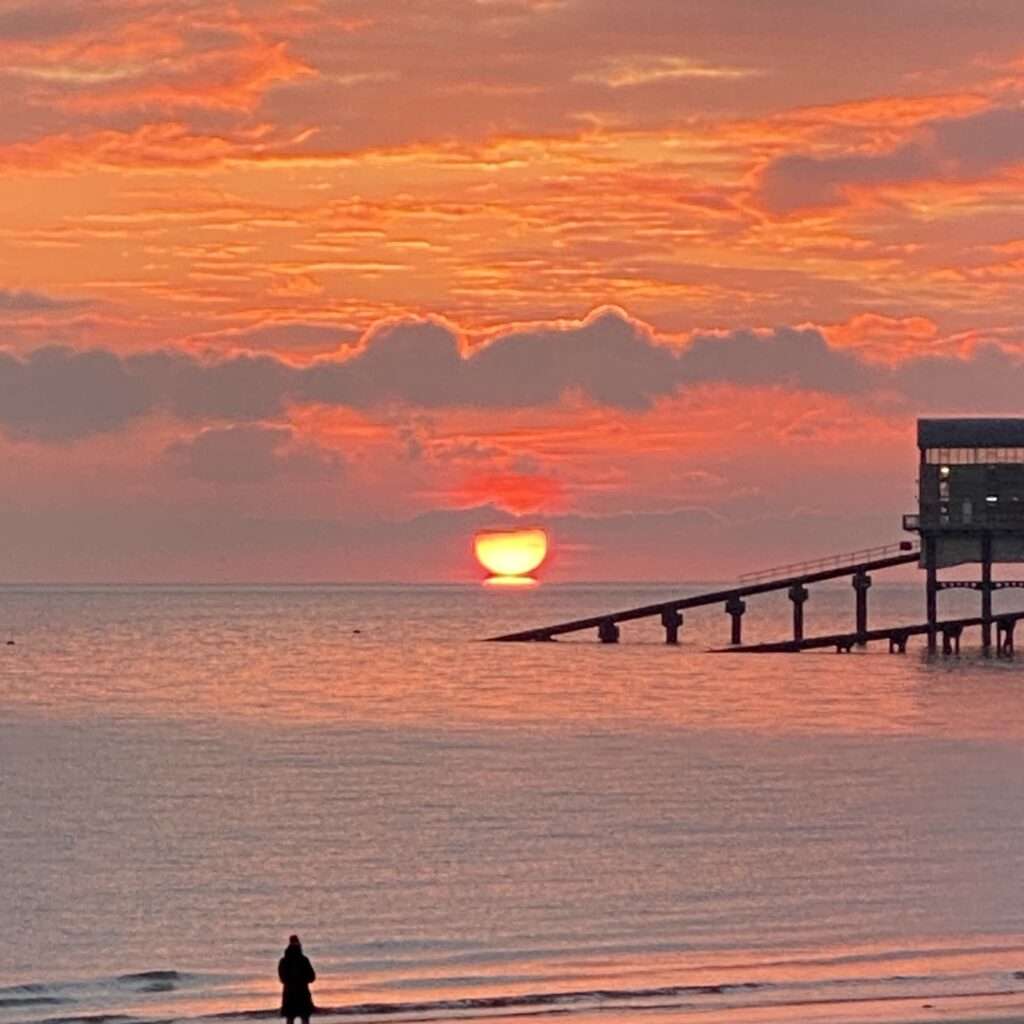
[970, 505]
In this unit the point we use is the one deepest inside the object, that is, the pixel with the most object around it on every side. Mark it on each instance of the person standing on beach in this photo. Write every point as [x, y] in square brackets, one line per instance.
[296, 974]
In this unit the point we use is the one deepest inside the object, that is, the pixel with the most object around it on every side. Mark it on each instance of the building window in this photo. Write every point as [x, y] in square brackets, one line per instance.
[946, 457]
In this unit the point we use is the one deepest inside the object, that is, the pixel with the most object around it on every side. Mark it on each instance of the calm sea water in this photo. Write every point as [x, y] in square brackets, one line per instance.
[464, 830]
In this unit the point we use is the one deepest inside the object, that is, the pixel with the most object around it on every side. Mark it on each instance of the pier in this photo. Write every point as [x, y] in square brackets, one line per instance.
[970, 511]
[794, 578]
[950, 631]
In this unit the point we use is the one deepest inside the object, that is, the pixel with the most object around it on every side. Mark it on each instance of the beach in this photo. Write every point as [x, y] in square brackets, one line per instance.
[461, 830]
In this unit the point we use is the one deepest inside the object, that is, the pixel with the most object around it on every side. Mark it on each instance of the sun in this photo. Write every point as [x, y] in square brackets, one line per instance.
[511, 554]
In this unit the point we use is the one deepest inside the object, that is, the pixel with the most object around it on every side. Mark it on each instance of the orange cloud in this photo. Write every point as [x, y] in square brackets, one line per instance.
[513, 492]
[157, 146]
[885, 339]
[137, 57]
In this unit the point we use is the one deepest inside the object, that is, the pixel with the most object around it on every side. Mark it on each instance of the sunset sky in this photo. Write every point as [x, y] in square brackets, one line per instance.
[313, 290]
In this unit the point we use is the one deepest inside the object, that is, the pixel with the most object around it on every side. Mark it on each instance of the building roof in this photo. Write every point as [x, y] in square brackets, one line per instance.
[970, 433]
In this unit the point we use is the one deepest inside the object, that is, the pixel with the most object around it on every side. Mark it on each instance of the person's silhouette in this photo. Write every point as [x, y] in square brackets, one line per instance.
[296, 974]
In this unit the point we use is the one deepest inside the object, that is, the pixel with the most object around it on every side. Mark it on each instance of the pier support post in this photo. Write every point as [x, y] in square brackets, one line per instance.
[734, 608]
[1004, 637]
[861, 585]
[798, 594]
[897, 642]
[986, 593]
[608, 632]
[931, 590]
[951, 640]
[672, 620]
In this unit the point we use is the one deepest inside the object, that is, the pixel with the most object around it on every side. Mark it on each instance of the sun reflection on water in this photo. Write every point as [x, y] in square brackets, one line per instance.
[511, 581]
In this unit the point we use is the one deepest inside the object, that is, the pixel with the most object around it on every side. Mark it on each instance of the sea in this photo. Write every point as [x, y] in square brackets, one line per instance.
[461, 830]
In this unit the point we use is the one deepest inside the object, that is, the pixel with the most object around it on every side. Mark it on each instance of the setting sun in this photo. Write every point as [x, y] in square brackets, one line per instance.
[511, 553]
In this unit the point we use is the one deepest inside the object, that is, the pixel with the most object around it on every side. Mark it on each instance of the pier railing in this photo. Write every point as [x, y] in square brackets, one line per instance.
[830, 562]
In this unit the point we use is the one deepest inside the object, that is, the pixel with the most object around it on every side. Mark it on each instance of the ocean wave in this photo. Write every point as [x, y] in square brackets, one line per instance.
[96, 1018]
[524, 1001]
[153, 981]
[153, 976]
[56, 992]
[30, 1000]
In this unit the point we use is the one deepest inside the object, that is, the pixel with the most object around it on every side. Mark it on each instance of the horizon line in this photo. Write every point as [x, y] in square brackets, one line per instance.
[369, 583]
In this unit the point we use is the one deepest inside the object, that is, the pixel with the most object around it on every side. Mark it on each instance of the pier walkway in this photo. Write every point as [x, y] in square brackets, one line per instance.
[793, 578]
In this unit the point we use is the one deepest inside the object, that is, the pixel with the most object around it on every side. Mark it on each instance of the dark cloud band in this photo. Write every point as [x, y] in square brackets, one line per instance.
[60, 394]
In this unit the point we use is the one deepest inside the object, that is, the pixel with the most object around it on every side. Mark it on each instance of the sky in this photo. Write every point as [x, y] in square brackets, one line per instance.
[315, 290]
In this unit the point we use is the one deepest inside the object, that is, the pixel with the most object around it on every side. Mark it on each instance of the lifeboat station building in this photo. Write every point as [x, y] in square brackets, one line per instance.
[970, 504]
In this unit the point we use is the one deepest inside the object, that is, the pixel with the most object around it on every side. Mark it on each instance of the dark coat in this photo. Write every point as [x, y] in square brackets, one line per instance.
[296, 974]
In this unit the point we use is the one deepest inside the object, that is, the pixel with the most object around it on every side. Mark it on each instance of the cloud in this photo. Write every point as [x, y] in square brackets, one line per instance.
[622, 72]
[515, 492]
[150, 146]
[980, 143]
[20, 301]
[943, 149]
[990, 382]
[240, 387]
[250, 454]
[797, 182]
[285, 336]
[75, 76]
[795, 358]
[415, 362]
[228, 79]
[129, 56]
[58, 394]
[35, 22]
[608, 359]
[893, 340]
